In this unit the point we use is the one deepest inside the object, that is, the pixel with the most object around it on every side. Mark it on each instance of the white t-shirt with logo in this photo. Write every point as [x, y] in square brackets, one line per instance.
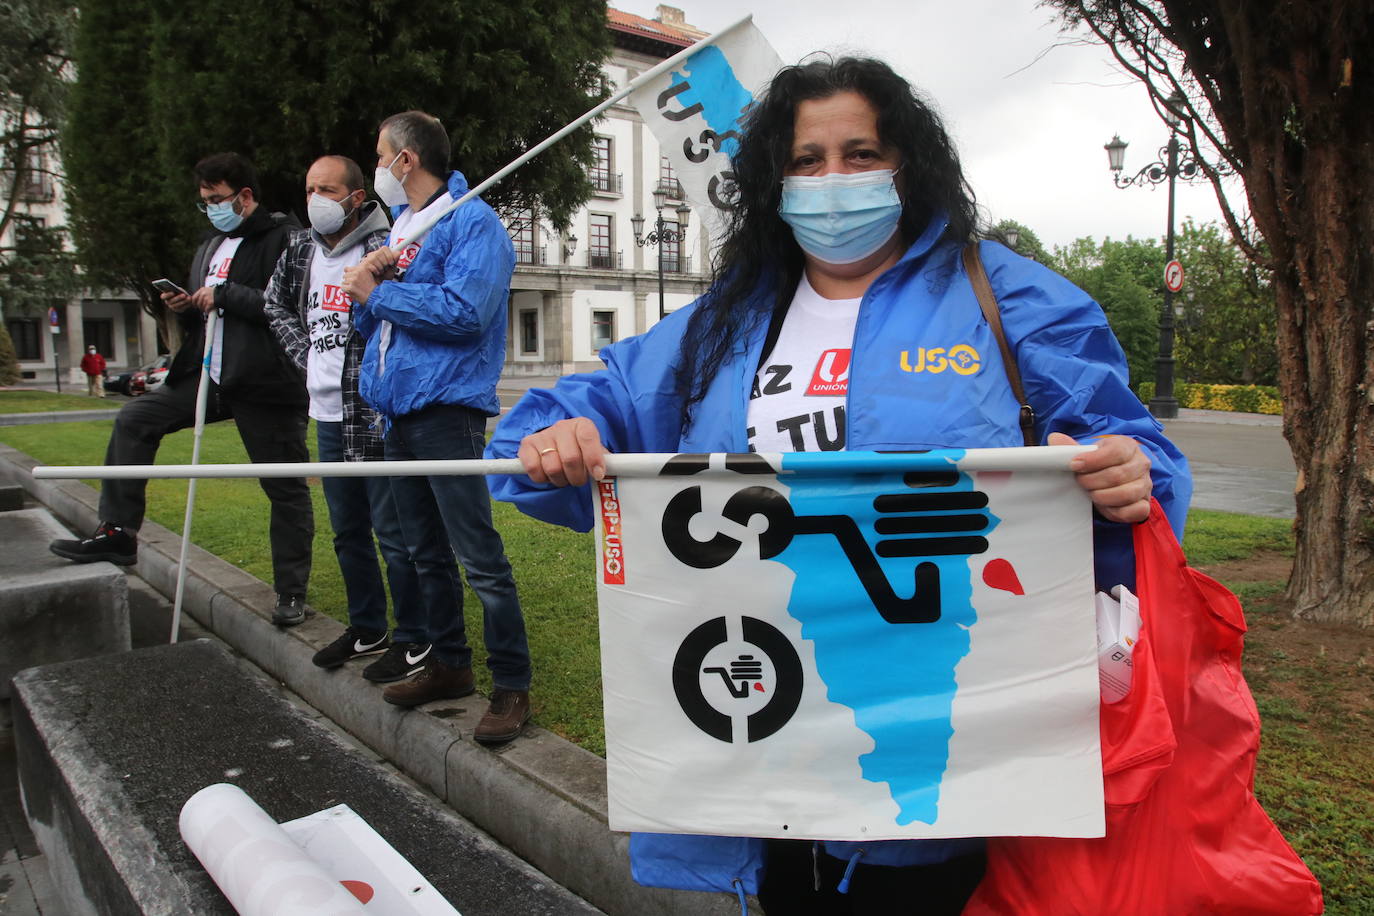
[216, 274]
[399, 230]
[798, 400]
[327, 322]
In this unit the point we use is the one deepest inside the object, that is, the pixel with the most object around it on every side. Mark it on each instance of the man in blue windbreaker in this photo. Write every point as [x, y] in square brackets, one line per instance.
[433, 311]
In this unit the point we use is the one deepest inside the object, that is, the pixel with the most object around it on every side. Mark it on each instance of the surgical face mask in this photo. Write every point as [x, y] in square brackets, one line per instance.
[841, 218]
[222, 215]
[389, 188]
[327, 216]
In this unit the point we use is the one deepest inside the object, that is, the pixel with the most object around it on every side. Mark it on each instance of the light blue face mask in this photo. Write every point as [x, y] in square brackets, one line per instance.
[839, 218]
[222, 215]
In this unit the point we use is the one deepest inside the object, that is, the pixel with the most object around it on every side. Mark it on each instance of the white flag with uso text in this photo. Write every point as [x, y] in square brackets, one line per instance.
[850, 646]
[695, 110]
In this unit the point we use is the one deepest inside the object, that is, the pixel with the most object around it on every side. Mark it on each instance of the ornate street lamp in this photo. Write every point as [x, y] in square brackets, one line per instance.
[662, 234]
[1173, 163]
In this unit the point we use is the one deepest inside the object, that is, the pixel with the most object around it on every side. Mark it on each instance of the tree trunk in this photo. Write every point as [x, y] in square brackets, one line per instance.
[1307, 171]
[1290, 87]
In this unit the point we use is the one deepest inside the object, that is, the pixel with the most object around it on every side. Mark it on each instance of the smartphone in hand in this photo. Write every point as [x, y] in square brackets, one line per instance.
[163, 285]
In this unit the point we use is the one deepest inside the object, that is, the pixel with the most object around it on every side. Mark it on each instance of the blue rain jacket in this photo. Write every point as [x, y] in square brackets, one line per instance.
[448, 313]
[925, 373]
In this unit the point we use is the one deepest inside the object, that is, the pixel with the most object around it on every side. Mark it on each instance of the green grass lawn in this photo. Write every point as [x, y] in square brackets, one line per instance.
[26, 401]
[1312, 684]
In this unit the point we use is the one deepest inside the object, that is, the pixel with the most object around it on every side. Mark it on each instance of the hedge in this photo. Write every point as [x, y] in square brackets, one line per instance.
[1243, 398]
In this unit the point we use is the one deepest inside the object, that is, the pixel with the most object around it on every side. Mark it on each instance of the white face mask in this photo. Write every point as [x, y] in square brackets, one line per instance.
[327, 216]
[389, 188]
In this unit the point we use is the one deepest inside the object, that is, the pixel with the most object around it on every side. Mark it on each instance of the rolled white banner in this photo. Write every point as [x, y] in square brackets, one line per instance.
[257, 866]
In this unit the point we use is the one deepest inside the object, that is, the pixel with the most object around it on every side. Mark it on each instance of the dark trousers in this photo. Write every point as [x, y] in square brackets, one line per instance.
[358, 507]
[447, 515]
[270, 433]
[798, 883]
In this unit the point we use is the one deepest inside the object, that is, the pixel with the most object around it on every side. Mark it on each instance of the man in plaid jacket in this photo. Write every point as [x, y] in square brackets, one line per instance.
[312, 317]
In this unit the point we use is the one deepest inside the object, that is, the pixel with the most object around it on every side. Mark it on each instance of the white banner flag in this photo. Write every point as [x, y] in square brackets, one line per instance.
[695, 109]
[850, 646]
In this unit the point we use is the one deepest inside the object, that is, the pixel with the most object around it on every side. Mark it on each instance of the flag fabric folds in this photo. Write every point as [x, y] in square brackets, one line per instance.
[850, 646]
[695, 110]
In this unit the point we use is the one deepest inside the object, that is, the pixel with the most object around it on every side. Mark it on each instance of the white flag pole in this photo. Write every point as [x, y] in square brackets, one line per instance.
[645, 77]
[1048, 457]
[202, 397]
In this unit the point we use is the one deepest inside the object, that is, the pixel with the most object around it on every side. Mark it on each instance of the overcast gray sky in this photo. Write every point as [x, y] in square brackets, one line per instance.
[1029, 108]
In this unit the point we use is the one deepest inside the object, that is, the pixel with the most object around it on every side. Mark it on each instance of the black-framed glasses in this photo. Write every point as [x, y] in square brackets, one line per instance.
[204, 205]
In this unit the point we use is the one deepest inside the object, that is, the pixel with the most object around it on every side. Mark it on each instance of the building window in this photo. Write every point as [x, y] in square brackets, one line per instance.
[24, 333]
[603, 329]
[603, 178]
[98, 333]
[529, 331]
[521, 229]
[38, 184]
[667, 179]
[670, 248]
[600, 241]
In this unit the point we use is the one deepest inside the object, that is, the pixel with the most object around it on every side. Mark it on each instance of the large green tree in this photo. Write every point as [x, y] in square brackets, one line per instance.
[1027, 242]
[34, 65]
[1124, 278]
[1281, 93]
[1226, 325]
[161, 84]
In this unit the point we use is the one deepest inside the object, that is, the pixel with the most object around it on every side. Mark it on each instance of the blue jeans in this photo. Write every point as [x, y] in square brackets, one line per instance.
[459, 507]
[358, 506]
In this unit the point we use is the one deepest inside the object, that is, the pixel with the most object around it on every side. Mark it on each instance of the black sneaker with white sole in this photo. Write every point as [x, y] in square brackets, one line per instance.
[400, 661]
[353, 643]
[110, 543]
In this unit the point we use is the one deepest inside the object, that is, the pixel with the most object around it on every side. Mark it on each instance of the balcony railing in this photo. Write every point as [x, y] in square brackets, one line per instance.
[606, 183]
[528, 254]
[670, 186]
[604, 260]
[677, 263]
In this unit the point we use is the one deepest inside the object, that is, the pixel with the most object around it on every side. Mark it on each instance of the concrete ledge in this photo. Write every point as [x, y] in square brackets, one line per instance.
[50, 609]
[11, 498]
[106, 763]
[57, 416]
[541, 796]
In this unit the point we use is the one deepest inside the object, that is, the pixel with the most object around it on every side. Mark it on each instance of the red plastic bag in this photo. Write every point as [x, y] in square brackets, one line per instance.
[1185, 833]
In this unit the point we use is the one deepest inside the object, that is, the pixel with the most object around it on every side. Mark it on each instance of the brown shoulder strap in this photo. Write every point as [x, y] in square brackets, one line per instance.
[978, 276]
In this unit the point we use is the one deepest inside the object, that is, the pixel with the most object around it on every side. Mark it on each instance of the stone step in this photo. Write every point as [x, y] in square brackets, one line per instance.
[110, 748]
[52, 610]
[11, 498]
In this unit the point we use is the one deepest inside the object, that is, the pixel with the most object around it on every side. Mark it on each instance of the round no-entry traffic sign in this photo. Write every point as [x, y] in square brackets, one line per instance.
[1173, 276]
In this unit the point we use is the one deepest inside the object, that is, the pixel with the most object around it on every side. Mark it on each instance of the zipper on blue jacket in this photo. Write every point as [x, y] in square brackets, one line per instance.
[849, 871]
[738, 885]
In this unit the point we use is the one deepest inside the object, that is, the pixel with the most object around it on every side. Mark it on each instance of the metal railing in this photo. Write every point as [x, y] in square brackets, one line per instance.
[677, 264]
[605, 260]
[528, 254]
[606, 183]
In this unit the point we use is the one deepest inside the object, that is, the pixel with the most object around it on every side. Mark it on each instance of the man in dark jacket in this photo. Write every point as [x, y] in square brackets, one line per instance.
[251, 381]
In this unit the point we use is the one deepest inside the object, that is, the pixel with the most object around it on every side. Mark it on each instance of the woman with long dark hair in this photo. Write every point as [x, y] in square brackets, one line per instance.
[842, 316]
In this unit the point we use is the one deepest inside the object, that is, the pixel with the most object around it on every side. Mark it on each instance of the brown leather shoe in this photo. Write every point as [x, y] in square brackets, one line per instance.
[508, 713]
[436, 682]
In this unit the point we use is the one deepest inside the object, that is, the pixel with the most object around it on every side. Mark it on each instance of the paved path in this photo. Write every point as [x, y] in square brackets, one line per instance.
[1241, 462]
